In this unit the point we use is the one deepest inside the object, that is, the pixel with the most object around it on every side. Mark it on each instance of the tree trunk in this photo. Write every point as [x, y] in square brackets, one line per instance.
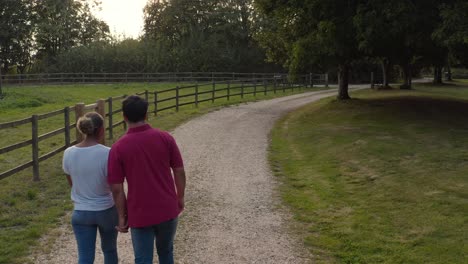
[449, 73]
[406, 77]
[1, 91]
[437, 75]
[344, 82]
[385, 72]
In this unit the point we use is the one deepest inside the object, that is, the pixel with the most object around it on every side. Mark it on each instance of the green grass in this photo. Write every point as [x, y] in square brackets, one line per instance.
[381, 178]
[30, 210]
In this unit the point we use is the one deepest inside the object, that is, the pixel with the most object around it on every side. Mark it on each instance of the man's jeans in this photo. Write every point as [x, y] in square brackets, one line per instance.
[85, 225]
[143, 242]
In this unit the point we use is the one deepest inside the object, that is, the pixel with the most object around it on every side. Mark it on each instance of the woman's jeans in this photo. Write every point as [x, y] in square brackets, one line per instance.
[85, 225]
[143, 242]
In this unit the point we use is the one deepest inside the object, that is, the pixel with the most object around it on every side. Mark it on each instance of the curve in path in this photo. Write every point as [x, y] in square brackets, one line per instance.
[233, 213]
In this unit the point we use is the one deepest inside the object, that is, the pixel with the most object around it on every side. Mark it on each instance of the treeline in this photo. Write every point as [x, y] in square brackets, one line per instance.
[347, 37]
[33, 33]
[179, 35]
[338, 34]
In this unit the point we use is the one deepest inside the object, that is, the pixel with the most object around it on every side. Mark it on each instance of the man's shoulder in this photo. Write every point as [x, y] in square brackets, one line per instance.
[161, 133]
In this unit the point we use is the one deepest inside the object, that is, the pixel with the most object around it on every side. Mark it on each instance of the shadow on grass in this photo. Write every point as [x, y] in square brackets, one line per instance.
[378, 179]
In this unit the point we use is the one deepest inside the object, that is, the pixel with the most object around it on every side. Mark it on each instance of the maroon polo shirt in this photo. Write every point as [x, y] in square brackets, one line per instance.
[144, 157]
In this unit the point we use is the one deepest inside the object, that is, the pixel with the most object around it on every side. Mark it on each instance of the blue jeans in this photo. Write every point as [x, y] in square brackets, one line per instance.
[85, 225]
[143, 242]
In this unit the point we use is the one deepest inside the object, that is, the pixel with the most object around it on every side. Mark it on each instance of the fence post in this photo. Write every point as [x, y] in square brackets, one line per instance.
[1, 92]
[110, 110]
[196, 94]
[146, 95]
[282, 83]
[213, 92]
[212, 76]
[372, 80]
[233, 75]
[155, 102]
[242, 90]
[79, 112]
[228, 90]
[35, 147]
[66, 113]
[124, 123]
[311, 80]
[255, 86]
[177, 99]
[82, 77]
[274, 85]
[101, 109]
[326, 80]
[264, 87]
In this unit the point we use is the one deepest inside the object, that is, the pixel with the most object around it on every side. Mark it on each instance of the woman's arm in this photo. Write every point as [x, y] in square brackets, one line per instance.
[69, 180]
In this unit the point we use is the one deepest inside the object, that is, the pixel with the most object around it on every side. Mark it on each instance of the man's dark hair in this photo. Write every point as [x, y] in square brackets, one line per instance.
[134, 108]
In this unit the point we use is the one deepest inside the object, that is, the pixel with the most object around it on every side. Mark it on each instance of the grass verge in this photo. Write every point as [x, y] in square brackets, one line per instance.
[381, 178]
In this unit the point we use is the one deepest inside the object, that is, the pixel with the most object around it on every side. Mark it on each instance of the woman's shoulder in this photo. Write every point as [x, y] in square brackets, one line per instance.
[103, 148]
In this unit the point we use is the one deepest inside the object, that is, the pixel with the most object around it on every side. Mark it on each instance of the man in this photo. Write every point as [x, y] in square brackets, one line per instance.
[144, 157]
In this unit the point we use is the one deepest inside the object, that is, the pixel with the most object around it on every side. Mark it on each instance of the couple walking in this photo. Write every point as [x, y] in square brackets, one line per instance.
[150, 161]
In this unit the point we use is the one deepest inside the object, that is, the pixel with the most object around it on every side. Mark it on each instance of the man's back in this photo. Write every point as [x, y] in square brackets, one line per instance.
[144, 157]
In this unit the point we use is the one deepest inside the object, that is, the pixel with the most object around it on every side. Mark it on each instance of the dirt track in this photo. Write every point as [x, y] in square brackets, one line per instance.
[233, 213]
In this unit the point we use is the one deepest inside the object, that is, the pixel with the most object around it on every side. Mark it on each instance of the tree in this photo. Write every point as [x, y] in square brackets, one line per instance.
[452, 31]
[399, 31]
[209, 35]
[63, 24]
[16, 28]
[379, 32]
[314, 33]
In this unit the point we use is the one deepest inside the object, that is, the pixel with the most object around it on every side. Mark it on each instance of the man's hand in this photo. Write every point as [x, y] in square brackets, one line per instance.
[123, 224]
[179, 178]
[181, 204]
[121, 204]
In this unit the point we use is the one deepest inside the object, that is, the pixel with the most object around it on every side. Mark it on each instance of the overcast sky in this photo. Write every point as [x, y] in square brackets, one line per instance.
[124, 17]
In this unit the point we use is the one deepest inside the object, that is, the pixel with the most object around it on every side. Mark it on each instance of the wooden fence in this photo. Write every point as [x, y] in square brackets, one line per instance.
[75, 78]
[163, 100]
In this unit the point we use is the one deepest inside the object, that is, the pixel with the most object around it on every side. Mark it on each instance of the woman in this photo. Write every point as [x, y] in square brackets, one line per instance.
[86, 167]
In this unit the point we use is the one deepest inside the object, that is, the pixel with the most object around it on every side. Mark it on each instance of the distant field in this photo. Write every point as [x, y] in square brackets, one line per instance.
[381, 178]
[30, 210]
[23, 101]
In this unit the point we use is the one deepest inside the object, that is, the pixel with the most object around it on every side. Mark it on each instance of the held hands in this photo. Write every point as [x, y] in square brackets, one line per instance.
[123, 224]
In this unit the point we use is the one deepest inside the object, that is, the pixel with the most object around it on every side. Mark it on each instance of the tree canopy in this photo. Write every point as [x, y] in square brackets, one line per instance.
[339, 33]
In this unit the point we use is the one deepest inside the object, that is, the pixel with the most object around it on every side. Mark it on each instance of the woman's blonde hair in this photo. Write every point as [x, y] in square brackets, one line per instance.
[90, 123]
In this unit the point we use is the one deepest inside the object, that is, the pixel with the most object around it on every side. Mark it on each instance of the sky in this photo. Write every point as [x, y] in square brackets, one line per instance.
[124, 17]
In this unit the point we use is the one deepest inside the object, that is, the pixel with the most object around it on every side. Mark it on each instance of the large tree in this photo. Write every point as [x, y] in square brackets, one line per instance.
[63, 24]
[16, 28]
[452, 31]
[314, 34]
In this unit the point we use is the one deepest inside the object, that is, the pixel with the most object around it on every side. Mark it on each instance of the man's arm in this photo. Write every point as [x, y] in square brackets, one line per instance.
[121, 204]
[179, 178]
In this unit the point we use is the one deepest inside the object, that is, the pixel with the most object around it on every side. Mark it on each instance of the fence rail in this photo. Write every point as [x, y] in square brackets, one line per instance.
[163, 100]
[75, 78]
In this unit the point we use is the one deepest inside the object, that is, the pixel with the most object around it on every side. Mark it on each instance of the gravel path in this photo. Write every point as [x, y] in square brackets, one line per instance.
[233, 212]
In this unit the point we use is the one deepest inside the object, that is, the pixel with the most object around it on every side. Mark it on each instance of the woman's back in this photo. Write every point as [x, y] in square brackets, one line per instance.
[87, 167]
